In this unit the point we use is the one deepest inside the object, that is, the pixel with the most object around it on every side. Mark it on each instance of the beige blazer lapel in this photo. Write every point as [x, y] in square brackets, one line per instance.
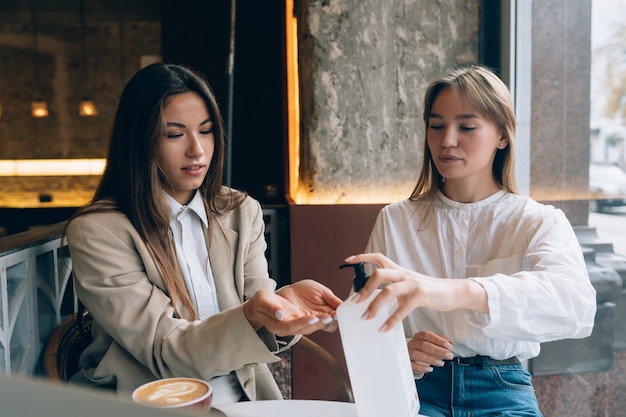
[221, 243]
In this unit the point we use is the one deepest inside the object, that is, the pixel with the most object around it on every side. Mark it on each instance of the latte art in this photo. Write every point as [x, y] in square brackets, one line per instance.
[173, 392]
[176, 392]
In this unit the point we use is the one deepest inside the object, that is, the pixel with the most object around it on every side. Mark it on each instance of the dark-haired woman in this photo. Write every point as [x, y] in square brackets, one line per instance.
[171, 263]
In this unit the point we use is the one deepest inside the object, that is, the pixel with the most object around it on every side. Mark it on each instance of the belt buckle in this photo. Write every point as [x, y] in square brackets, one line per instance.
[459, 361]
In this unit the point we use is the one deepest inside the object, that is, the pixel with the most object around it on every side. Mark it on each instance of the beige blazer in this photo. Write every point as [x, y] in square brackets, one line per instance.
[136, 336]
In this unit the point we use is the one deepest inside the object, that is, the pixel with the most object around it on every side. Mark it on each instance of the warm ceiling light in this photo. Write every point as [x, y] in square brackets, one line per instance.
[51, 167]
[39, 109]
[87, 108]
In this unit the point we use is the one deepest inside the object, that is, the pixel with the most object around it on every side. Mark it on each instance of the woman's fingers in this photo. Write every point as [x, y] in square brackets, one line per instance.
[431, 344]
[399, 288]
[282, 317]
[331, 299]
[427, 349]
[313, 298]
[267, 309]
[421, 367]
[377, 259]
[386, 272]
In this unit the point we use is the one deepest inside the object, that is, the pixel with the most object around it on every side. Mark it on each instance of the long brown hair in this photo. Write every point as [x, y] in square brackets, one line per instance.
[131, 182]
[486, 91]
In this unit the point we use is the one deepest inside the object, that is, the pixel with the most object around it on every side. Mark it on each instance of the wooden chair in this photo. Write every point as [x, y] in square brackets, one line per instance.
[338, 372]
[74, 334]
[66, 344]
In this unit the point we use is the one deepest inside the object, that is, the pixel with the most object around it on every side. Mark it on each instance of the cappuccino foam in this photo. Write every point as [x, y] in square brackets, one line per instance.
[171, 392]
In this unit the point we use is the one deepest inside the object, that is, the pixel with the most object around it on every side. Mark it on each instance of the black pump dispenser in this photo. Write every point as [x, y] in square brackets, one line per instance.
[360, 277]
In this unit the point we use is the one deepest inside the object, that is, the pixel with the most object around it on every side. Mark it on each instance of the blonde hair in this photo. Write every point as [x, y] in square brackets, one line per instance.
[491, 97]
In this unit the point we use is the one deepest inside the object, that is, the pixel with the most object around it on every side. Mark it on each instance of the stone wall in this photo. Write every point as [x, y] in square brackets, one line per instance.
[364, 66]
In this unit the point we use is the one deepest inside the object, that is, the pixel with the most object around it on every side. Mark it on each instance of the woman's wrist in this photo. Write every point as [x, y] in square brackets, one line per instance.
[251, 316]
[474, 296]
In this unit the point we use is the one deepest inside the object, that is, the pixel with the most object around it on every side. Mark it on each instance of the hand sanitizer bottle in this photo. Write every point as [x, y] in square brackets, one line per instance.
[378, 362]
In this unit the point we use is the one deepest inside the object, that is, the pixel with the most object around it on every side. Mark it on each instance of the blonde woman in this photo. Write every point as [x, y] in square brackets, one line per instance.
[482, 274]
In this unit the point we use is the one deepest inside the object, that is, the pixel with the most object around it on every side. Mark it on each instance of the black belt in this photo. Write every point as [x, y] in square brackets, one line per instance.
[483, 361]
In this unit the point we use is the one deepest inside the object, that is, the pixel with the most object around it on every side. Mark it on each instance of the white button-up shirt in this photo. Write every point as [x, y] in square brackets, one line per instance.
[189, 224]
[525, 255]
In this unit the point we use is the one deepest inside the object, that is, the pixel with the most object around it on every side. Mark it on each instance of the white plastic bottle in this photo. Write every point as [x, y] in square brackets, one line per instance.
[378, 363]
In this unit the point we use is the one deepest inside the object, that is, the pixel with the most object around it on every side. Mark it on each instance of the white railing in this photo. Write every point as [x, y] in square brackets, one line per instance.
[36, 294]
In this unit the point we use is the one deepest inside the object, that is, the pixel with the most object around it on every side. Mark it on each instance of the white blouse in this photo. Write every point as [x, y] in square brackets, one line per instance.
[525, 254]
[189, 224]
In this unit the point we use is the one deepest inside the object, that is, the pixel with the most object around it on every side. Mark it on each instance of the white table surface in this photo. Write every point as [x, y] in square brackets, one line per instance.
[285, 408]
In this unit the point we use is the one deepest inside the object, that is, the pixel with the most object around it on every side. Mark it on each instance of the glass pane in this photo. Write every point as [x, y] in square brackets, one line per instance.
[22, 342]
[607, 179]
[17, 287]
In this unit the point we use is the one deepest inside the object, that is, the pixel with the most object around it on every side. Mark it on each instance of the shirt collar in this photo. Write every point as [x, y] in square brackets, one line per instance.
[468, 206]
[196, 205]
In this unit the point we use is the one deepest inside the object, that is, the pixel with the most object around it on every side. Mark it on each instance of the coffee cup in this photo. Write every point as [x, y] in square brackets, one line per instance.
[183, 393]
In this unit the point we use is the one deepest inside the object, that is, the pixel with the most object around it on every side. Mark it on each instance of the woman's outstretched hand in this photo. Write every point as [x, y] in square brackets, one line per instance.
[300, 308]
[314, 298]
[414, 290]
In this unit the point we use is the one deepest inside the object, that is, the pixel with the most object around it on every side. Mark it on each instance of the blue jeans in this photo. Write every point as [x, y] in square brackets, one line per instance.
[458, 390]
